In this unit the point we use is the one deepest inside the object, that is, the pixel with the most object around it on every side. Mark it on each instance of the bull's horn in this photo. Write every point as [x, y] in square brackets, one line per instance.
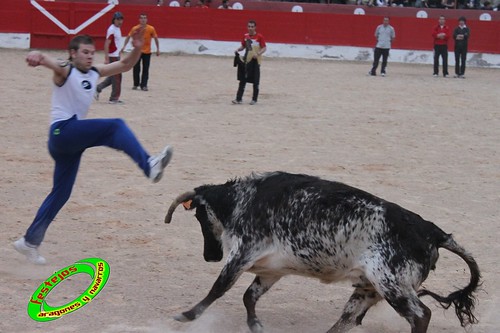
[180, 199]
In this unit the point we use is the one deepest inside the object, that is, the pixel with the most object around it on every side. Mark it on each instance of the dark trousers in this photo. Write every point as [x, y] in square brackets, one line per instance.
[441, 50]
[384, 53]
[68, 140]
[241, 90]
[138, 79]
[114, 81]
[460, 59]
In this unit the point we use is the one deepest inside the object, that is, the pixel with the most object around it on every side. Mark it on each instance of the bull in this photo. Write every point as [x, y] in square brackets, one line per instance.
[275, 224]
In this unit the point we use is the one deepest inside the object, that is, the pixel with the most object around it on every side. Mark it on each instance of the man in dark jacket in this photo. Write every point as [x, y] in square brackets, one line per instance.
[461, 36]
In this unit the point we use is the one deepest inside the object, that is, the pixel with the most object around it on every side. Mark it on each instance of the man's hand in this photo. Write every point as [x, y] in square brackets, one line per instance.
[34, 58]
[138, 38]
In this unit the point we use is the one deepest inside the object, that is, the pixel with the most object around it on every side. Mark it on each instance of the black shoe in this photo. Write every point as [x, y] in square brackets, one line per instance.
[144, 88]
[372, 73]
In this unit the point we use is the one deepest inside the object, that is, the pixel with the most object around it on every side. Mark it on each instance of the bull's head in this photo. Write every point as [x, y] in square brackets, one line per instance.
[211, 226]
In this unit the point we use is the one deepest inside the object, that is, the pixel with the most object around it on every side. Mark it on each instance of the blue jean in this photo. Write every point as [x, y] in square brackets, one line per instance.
[68, 140]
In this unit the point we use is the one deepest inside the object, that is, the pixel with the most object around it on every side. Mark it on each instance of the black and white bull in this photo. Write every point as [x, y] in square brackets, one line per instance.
[275, 224]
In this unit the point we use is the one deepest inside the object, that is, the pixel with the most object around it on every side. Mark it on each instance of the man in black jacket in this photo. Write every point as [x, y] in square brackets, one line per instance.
[461, 36]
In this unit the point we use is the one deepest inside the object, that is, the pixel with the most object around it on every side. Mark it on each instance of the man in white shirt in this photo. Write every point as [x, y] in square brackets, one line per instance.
[385, 34]
[112, 47]
[71, 134]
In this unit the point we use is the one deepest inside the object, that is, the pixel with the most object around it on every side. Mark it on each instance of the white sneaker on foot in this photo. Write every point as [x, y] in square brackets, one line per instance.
[158, 163]
[30, 252]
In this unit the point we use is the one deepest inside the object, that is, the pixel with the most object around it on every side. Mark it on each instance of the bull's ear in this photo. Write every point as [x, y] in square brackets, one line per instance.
[188, 205]
[185, 199]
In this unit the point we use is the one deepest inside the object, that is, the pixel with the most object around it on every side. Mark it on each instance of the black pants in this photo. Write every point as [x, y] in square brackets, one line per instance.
[460, 59]
[441, 50]
[241, 90]
[376, 58]
[256, 79]
[138, 79]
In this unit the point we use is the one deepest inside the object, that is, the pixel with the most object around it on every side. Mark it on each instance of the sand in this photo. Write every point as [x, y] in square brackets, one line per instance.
[428, 144]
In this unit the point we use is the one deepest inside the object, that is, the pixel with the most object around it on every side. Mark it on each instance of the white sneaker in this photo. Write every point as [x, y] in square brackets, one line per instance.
[30, 252]
[158, 163]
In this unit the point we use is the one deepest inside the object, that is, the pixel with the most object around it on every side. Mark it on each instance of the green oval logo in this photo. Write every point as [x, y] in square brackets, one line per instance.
[98, 270]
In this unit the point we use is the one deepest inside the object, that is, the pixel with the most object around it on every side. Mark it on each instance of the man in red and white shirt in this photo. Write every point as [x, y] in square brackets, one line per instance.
[254, 45]
[441, 34]
[112, 47]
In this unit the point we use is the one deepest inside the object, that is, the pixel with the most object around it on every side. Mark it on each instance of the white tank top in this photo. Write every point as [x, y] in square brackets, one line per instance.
[74, 96]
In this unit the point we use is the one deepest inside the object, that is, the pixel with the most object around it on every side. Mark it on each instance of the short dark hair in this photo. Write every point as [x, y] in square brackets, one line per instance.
[75, 42]
[462, 18]
[252, 22]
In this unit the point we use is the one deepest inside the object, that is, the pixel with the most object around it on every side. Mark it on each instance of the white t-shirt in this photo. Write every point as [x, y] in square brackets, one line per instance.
[114, 34]
[74, 96]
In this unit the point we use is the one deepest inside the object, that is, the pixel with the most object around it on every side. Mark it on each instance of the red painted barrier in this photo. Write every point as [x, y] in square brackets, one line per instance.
[222, 25]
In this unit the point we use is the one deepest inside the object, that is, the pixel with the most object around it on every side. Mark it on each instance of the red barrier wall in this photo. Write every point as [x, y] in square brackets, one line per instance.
[212, 24]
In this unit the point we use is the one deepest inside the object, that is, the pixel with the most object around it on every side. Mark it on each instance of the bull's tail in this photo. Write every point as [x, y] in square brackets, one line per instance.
[180, 199]
[464, 299]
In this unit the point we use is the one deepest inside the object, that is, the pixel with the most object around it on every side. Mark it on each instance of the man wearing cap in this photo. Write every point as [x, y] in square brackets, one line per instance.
[112, 47]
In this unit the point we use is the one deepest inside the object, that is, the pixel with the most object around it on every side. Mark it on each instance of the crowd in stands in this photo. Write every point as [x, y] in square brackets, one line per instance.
[200, 4]
[443, 4]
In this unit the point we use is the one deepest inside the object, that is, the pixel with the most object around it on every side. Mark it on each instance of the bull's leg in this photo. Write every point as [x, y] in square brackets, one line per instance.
[411, 307]
[355, 309]
[259, 286]
[401, 295]
[228, 276]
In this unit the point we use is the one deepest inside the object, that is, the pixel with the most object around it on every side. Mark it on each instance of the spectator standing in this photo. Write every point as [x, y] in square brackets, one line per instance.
[70, 134]
[384, 34]
[225, 5]
[448, 4]
[461, 36]
[441, 34]
[254, 45]
[149, 34]
[187, 4]
[473, 4]
[112, 47]
[487, 5]
[202, 4]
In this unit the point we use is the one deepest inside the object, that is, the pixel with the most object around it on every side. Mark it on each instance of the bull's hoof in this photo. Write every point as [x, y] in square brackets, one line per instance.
[182, 318]
[256, 326]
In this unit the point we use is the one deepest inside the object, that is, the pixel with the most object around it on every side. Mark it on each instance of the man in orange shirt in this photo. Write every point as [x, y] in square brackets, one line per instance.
[149, 33]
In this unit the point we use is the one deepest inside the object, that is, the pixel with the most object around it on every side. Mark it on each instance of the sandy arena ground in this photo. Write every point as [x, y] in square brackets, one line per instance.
[429, 144]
